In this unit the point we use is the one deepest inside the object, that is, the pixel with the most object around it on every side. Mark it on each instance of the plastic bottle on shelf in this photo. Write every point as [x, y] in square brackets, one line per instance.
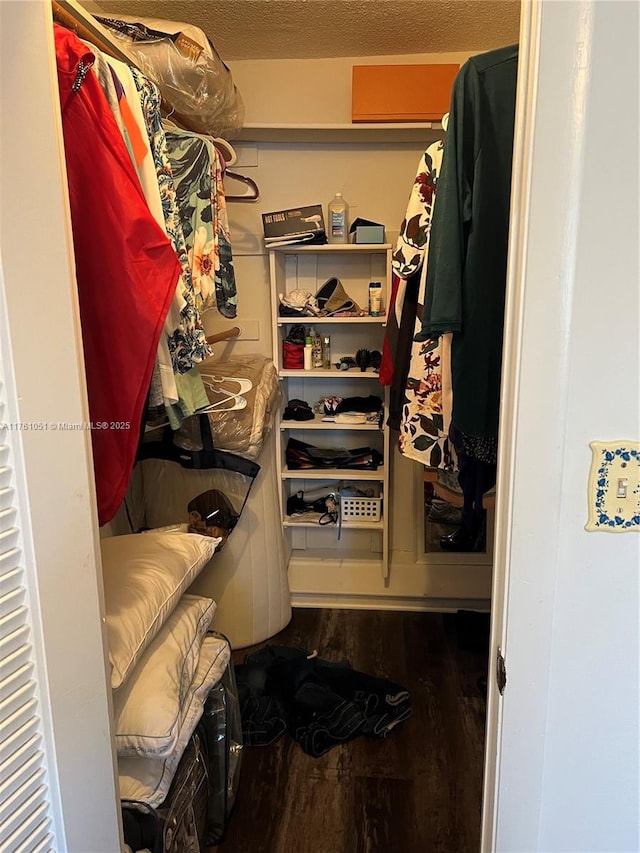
[308, 350]
[338, 229]
[326, 352]
[375, 298]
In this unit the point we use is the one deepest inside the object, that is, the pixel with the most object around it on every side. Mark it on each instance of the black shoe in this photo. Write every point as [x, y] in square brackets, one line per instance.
[460, 540]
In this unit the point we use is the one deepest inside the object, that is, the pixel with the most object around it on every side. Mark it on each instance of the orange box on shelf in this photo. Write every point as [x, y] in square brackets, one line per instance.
[400, 93]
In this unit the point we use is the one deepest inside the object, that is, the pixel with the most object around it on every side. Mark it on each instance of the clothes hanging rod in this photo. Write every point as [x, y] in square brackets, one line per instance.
[233, 332]
[84, 25]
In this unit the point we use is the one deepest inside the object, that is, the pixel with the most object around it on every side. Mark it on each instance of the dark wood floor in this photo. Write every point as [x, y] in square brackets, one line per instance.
[418, 791]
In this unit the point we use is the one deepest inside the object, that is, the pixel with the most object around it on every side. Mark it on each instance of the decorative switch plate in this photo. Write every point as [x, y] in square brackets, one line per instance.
[614, 487]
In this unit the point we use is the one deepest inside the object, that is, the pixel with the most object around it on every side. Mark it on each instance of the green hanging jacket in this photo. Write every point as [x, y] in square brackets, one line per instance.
[467, 264]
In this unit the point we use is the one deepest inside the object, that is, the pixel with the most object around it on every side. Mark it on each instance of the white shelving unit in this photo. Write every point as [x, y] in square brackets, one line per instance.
[308, 267]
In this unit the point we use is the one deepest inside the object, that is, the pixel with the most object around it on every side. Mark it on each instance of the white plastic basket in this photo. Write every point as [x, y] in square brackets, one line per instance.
[360, 509]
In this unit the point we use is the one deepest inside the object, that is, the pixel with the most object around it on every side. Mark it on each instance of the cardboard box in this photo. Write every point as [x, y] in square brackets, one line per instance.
[382, 93]
[365, 231]
[296, 225]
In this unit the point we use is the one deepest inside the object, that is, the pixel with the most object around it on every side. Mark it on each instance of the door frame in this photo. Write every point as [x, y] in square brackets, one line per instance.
[553, 91]
[528, 58]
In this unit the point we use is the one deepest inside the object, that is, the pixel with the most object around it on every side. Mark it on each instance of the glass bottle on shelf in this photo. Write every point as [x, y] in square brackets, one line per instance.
[316, 355]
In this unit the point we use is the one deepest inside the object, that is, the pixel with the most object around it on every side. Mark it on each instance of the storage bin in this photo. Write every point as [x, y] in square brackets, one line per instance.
[397, 93]
[360, 508]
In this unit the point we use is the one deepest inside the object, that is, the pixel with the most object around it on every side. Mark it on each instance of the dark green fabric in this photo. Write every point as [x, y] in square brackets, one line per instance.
[467, 260]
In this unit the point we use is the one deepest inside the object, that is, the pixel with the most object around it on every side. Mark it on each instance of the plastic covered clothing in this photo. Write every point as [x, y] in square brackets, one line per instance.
[126, 271]
[186, 66]
[243, 392]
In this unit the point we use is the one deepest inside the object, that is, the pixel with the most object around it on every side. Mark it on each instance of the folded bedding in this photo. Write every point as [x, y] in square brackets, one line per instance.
[147, 779]
[144, 578]
[148, 707]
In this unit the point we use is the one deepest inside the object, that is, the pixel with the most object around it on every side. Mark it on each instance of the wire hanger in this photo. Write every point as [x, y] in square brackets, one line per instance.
[226, 149]
[239, 402]
[254, 191]
[220, 384]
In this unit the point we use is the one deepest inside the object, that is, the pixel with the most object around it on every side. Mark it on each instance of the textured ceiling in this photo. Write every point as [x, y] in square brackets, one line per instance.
[293, 29]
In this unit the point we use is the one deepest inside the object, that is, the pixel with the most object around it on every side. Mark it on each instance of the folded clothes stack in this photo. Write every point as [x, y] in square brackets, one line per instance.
[353, 410]
[297, 410]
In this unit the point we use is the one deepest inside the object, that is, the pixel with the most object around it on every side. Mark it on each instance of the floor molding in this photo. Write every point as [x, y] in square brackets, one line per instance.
[379, 602]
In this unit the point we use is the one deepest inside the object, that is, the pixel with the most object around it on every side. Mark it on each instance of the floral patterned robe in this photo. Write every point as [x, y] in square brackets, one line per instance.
[187, 345]
[423, 436]
[197, 172]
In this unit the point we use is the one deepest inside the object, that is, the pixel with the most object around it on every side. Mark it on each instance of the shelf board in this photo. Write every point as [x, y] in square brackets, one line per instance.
[318, 423]
[421, 132]
[321, 248]
[346, 525]
[352, 373]
[314, 321]
[332, 474]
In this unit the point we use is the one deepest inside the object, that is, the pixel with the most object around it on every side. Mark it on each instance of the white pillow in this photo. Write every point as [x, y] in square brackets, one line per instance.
[144, 577]
[148, 780]
[148, 706]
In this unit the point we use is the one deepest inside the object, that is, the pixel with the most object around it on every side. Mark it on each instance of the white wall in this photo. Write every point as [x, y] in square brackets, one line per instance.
[312, 90]
[65, 589]
[592, 757]
[569, 766]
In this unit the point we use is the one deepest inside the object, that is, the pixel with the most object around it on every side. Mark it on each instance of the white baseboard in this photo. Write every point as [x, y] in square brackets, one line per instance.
[377, 602]
[331, 582]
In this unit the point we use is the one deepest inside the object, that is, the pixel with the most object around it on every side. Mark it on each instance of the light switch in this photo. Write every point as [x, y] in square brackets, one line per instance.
[614, 487]
[623, 484]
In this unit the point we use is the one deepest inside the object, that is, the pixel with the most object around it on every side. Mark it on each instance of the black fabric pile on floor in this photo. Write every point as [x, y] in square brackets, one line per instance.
[320, 703]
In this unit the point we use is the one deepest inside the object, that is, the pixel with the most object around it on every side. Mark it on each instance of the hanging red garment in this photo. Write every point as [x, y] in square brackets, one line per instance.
[391, 335]
[126, 271]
